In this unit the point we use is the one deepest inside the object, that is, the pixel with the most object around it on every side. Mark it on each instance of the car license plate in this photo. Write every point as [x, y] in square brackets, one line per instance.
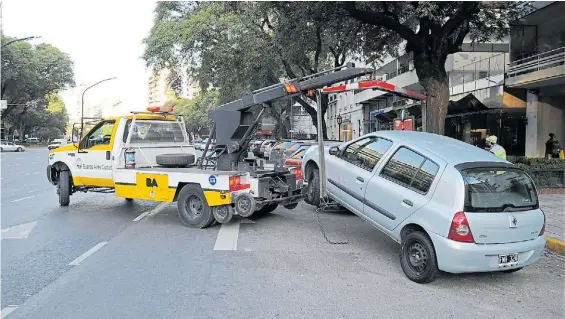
[508, 259]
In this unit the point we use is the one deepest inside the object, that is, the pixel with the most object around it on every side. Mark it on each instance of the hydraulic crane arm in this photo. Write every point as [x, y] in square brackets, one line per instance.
[234, 121]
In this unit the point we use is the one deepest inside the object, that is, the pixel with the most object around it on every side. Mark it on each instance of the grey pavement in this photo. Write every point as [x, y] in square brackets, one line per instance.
[553, 206]
[282, 268]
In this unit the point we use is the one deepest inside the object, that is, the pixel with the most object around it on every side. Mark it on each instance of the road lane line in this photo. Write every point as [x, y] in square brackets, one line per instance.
[227, 236]
[8, 310]
[91, 251]
[23, 198]
[157, 209]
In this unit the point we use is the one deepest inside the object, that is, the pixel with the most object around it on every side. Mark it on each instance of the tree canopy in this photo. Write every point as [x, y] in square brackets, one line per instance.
[196, 111]
[235, 46]
[31, 78]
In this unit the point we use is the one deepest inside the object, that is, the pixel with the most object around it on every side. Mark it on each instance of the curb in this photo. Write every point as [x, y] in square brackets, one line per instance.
[555, 245]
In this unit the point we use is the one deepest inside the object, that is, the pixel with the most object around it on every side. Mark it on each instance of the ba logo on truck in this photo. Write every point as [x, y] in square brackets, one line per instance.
[151, 182]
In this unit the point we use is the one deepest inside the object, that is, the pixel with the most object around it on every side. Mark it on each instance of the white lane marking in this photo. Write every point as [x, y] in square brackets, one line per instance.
[157, 209]
[91, 251]
[19, 158]
[8, 310]
[227, 236]
[35, 173]
[19, 231]
[23, 198]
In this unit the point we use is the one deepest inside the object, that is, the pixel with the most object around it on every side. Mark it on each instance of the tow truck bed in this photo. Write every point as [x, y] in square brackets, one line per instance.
[180, 170]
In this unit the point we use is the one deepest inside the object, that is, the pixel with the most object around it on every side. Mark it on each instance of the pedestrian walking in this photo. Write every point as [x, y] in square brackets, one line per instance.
[552, 147]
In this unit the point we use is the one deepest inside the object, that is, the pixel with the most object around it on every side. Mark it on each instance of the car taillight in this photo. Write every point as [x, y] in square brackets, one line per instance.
[542, 231]
[236, 185]
[460, 230]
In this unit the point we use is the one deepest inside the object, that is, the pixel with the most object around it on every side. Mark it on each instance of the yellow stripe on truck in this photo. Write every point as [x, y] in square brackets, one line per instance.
[93, 181]
[217, 198]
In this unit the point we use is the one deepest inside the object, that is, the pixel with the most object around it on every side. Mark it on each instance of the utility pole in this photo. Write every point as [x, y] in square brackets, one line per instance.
[82, 103]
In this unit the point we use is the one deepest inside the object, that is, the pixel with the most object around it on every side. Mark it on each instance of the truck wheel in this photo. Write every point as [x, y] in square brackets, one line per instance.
[193, 208]
[64, 188]
[174, 160]
[222, 213]
[129, 200]
[313, 188]
[418, 257]
[291, 206]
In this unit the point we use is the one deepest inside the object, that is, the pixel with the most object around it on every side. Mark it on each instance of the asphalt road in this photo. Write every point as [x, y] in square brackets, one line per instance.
[278, 266]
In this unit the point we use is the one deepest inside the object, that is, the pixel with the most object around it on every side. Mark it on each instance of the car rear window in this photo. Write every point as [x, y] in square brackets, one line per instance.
[299, 154]
[498, 190]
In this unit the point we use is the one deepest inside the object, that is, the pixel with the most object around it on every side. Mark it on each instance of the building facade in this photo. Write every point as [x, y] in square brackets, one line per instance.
[537, 74]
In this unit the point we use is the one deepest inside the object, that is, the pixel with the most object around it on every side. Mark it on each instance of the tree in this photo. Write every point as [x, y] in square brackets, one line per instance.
[30, 73]
[432, 31]
[196, 111]
[247, 45]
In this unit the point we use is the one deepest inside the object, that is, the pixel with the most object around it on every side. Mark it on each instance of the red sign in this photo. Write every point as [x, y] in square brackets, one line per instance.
[266, 132]
[406, 125]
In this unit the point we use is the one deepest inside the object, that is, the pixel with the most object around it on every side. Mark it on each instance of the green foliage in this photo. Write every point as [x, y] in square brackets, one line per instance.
[31, 76]
[545, 172]
[196, 111]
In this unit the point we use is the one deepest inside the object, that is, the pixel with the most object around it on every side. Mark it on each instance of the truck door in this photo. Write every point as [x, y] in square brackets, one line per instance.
[94, 156]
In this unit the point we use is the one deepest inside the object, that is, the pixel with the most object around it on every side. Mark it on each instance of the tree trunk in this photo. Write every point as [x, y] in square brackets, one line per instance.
[314, 115]
[430, 69]
[437, 93]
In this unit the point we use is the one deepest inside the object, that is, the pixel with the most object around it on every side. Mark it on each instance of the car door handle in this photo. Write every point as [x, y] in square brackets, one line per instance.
[407, 202]
[108, 155]
[359, 178]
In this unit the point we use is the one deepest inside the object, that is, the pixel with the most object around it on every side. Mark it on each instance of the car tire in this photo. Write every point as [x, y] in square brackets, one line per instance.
[64, 186]
[1, 149]
[269, 208]
[509, 271]
[313, 188]
[174, 160]
[418, 257]
[19, 149]
[192, 207]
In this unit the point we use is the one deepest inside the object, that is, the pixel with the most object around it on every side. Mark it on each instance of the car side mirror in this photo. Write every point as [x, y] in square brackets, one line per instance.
[334, 150]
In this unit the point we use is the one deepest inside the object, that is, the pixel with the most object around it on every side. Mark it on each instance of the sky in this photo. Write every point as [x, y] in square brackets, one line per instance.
[103, 38]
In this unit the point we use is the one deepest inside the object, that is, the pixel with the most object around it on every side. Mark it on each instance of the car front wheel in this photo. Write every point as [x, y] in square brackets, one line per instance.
[418, 257]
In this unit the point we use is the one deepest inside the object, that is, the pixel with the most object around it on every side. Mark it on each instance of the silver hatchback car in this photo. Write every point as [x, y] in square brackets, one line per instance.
[452, 206]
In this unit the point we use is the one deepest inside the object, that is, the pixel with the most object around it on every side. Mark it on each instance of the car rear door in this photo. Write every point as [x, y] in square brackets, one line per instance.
[401, 186]
[501, 205]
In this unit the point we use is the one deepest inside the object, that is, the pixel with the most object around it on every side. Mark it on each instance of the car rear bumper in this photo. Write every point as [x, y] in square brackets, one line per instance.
[456, 257]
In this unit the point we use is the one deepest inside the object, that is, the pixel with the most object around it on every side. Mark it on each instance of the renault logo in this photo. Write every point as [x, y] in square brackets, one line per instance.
[513, 221]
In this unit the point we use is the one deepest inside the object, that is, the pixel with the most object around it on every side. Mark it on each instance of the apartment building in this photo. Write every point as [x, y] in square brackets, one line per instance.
[536, 74]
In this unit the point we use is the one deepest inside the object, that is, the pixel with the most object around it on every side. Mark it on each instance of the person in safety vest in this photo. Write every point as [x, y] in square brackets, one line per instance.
[495, 148]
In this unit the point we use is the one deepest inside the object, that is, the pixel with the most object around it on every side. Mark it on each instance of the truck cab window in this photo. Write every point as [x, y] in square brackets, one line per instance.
[101, 134]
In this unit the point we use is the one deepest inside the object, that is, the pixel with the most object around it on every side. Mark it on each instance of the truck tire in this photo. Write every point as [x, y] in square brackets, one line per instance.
[313, 188]
[192, 207]
[64, 188]
[291, 206]
[174, 160]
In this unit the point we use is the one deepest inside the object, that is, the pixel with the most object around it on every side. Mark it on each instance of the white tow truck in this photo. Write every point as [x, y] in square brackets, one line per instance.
[147, 156]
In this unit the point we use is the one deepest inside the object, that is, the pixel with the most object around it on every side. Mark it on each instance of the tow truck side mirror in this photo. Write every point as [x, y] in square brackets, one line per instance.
[334, 150]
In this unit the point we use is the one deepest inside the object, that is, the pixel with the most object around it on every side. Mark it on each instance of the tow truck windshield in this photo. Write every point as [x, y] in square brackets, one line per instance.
[154, 131]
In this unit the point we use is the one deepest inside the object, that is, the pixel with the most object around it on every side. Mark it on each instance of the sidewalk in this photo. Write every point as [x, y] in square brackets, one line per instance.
[553, 206]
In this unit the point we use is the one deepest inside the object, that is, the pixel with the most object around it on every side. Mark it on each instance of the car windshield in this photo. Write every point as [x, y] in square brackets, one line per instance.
[299, 154]
[498, 190]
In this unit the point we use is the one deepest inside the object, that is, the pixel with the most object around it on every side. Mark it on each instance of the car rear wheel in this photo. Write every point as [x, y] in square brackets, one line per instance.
[19, 149]
[313, 188]
[193, 209]
[64, 188]
[418, 257]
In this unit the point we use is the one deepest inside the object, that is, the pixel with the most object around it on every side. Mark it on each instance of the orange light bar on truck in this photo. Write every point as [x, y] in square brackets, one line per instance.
[160, 109]
[235, 184]
[290, 88]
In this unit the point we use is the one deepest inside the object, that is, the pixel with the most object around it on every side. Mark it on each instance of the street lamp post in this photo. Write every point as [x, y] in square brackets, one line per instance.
[82, 103]
[339, 120]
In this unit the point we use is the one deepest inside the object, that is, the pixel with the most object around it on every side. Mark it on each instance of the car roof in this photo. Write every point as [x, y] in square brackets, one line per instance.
[449, 149]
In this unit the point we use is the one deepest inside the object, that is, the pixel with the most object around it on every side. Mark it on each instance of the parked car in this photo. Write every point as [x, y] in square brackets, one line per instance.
[281, 147]
[254, 146]
[452, 206]
[263, 146]
[268, 148]
[6, 146]
[295, 147]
